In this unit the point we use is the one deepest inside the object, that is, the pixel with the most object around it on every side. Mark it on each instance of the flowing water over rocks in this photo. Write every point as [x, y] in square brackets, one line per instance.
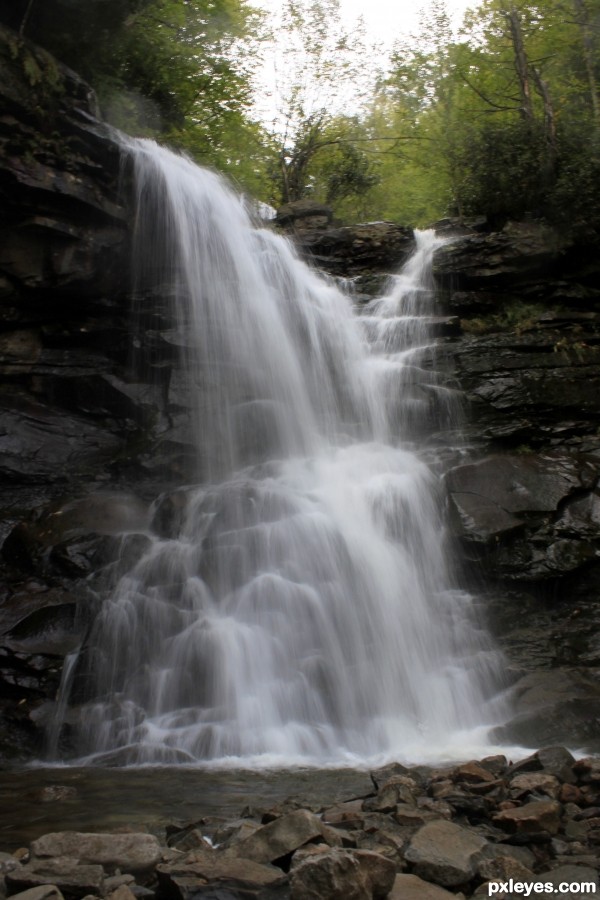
[298, 605]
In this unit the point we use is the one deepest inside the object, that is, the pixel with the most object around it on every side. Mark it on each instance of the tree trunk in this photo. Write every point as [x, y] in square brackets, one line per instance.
[587, 46]
[521, 64]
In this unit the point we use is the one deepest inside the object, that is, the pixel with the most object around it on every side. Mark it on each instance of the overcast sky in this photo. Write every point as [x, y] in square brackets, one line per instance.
[385, 21]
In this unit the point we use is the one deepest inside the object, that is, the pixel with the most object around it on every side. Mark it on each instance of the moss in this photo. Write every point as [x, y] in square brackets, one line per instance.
[516, 316]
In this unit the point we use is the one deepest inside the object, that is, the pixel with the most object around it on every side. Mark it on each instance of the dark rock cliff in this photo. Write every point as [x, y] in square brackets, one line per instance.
[75, 416]
[524, 505]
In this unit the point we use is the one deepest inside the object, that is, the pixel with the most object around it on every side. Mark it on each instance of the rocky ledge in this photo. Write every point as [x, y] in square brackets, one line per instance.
[420, 834]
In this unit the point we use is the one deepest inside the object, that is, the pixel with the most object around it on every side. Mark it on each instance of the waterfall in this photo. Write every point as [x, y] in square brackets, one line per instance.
[304, 608]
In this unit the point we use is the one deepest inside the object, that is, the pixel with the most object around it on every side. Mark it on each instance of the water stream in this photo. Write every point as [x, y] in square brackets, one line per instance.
[305, 611]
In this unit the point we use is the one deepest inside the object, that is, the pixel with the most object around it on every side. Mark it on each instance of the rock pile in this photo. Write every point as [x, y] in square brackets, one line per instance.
[422, 834]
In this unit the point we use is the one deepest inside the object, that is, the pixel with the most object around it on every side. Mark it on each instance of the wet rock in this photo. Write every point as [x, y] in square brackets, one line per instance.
[185, 879]
[357, 249]
[122, 892]
[534, 783]
[399, 789]
[44, 892]
[303, 215]
[445, 853]
[502, 868]
[280, 837]
[570, 874]
[129, 852]
[67, 874]
[473, 773]
[349, 814]
[533, 818]
[411, 887]
[492, 261]
[54, 793]
[554, 704]
[343, 875]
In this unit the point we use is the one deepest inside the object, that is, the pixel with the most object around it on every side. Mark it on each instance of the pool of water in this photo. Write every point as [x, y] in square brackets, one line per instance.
[151, 798]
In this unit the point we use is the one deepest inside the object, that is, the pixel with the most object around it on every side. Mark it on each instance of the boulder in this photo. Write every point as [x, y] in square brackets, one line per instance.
[68, 875]
[535, 817]
[280, 837]
[44, 892]
[200, 869]
[357, 249]
[134, 853]
[343, 875]
[445, 853]
[411, 887]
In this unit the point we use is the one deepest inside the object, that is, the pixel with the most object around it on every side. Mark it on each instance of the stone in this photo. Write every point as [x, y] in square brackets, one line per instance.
[472, 773]
[186, 878]
[445, 853]
[534, 783]
[343, 875]
[70, 877]
[280, 837]
[405, 814]
[502, 868]
[399, 789]
[44, 892]
[357, 249]
[134, 853]
[411, 887]
[532, 818]
[57, 792]
[349, 814]
[572, 874]
[122, 892]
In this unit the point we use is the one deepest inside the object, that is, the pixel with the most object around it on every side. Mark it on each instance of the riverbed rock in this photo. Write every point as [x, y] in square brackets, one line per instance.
[411, 887]
[44, 892]
[444, 853]
[535, 817]
[67, 874]
[134, 853]
[201, 870]
[343, 875]
[280, 837]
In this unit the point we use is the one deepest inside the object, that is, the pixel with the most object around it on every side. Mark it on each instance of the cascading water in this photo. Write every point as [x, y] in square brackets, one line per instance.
[304, 610]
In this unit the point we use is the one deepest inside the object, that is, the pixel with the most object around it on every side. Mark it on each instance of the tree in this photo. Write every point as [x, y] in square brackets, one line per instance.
[323, 72]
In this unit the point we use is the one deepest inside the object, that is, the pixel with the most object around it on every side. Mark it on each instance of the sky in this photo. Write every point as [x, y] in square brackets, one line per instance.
[385, 21]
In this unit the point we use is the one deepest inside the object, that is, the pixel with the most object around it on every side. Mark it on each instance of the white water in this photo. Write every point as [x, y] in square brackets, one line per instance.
[305, 612]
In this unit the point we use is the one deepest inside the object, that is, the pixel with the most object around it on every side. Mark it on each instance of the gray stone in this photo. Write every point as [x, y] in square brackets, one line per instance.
[280, 837]
[186, 878]
[68, 875]
[342, 875]
[532, 818]
[44, 892]
[135, 853]
[534, 783]
[411, 887]
[571, 874]
[445, 853]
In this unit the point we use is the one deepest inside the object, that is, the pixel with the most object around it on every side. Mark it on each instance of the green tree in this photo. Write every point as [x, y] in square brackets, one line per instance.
[177, 69]
[323, 72]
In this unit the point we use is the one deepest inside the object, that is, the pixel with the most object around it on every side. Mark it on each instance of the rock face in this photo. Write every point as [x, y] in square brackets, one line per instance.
[356, 251]
[523, 500]
[74, 418]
